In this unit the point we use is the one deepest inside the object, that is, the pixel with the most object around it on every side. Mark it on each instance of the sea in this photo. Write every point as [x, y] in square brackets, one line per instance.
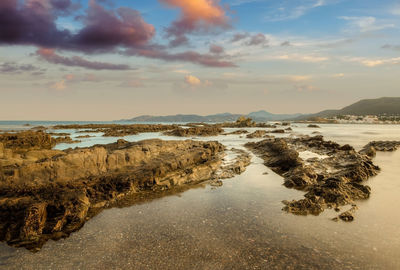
[239, 225]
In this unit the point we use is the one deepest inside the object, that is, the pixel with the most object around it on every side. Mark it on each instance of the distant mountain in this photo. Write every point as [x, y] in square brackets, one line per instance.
[379, 106]
[260, 116]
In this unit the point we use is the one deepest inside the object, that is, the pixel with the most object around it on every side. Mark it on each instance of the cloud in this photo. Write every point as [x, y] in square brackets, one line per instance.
[59, 86]
[253, 40]
[215, 49]
[258, 39]
[121, 30]
[301, 58]
[294, 9]
[33, 22]
[209, 60]
[300, 78]
[192, 80]
[239, 36]
[196, 16]
[286, 44]
[395, 10]
[391, 47]
[50, 56]
[10, 67]
[366, 23]
[133, 83]
[373, 62]
[73, 78]
[338, 75]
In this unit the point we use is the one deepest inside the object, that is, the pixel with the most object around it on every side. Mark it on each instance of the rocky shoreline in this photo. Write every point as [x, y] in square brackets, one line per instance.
[48, 194]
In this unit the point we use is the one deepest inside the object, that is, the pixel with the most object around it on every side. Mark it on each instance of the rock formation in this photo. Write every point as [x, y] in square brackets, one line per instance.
[207, 130]
[115, 130]
[257, 134]
[333, 180]
[50, 196]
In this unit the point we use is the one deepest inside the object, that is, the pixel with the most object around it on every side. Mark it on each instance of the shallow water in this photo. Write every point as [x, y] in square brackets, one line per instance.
[237, 226]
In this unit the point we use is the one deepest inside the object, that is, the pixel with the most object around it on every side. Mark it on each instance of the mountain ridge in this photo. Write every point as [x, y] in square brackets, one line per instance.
[379, 106]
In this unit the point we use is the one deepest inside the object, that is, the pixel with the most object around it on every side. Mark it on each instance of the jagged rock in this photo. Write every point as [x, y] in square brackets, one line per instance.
[237, 166]
[278, 131]
[116, 130]
[256, 134]
[329, 182]
[384, 146]
[313, 126]
[195, 131]
[237, 132]
[55, 196]
[369, 151]
[27, 140]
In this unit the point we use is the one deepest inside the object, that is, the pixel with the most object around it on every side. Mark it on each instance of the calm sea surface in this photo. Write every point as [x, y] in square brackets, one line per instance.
[237, 226]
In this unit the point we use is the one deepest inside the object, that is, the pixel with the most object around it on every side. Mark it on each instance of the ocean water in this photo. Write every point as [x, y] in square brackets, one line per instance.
[237, 226]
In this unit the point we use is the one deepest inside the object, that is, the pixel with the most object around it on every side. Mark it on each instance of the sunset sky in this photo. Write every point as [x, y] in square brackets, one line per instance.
[114, 59]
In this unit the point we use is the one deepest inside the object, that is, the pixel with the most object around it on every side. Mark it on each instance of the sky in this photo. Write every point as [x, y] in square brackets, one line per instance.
[116, 59]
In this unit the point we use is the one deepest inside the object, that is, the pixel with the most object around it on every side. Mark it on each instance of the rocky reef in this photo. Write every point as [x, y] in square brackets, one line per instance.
[48, 194]
[27, 140]
[237, 132]
[116, 130]
[204, 130]
[243, 122]
[333, 177]
[257, 134]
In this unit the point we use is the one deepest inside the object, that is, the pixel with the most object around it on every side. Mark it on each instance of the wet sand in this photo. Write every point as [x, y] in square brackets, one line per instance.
[237, 226]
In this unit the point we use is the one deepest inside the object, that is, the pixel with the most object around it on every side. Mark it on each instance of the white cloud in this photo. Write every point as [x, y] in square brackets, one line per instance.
[395, 11]
[296, 9]
[368, 62]
[366, 23]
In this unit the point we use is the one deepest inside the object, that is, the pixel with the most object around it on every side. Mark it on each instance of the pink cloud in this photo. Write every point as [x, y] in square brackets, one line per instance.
[51, 56]
[196, 16]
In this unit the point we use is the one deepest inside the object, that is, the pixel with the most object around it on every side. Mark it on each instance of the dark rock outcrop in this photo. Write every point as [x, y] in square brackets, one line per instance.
[237, 132]
[115, 130]
[207, 130]
[331, 181]
[256, 134]
[50, 198]
[27, 140]
[384, 146]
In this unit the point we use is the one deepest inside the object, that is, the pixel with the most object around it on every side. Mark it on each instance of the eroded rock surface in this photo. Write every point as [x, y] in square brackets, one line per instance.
[207, 130]
[115, 130]
[257, 134]
[27, 140]
[50, 198]
[237, 132]
[384, 146]
[334, 179]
